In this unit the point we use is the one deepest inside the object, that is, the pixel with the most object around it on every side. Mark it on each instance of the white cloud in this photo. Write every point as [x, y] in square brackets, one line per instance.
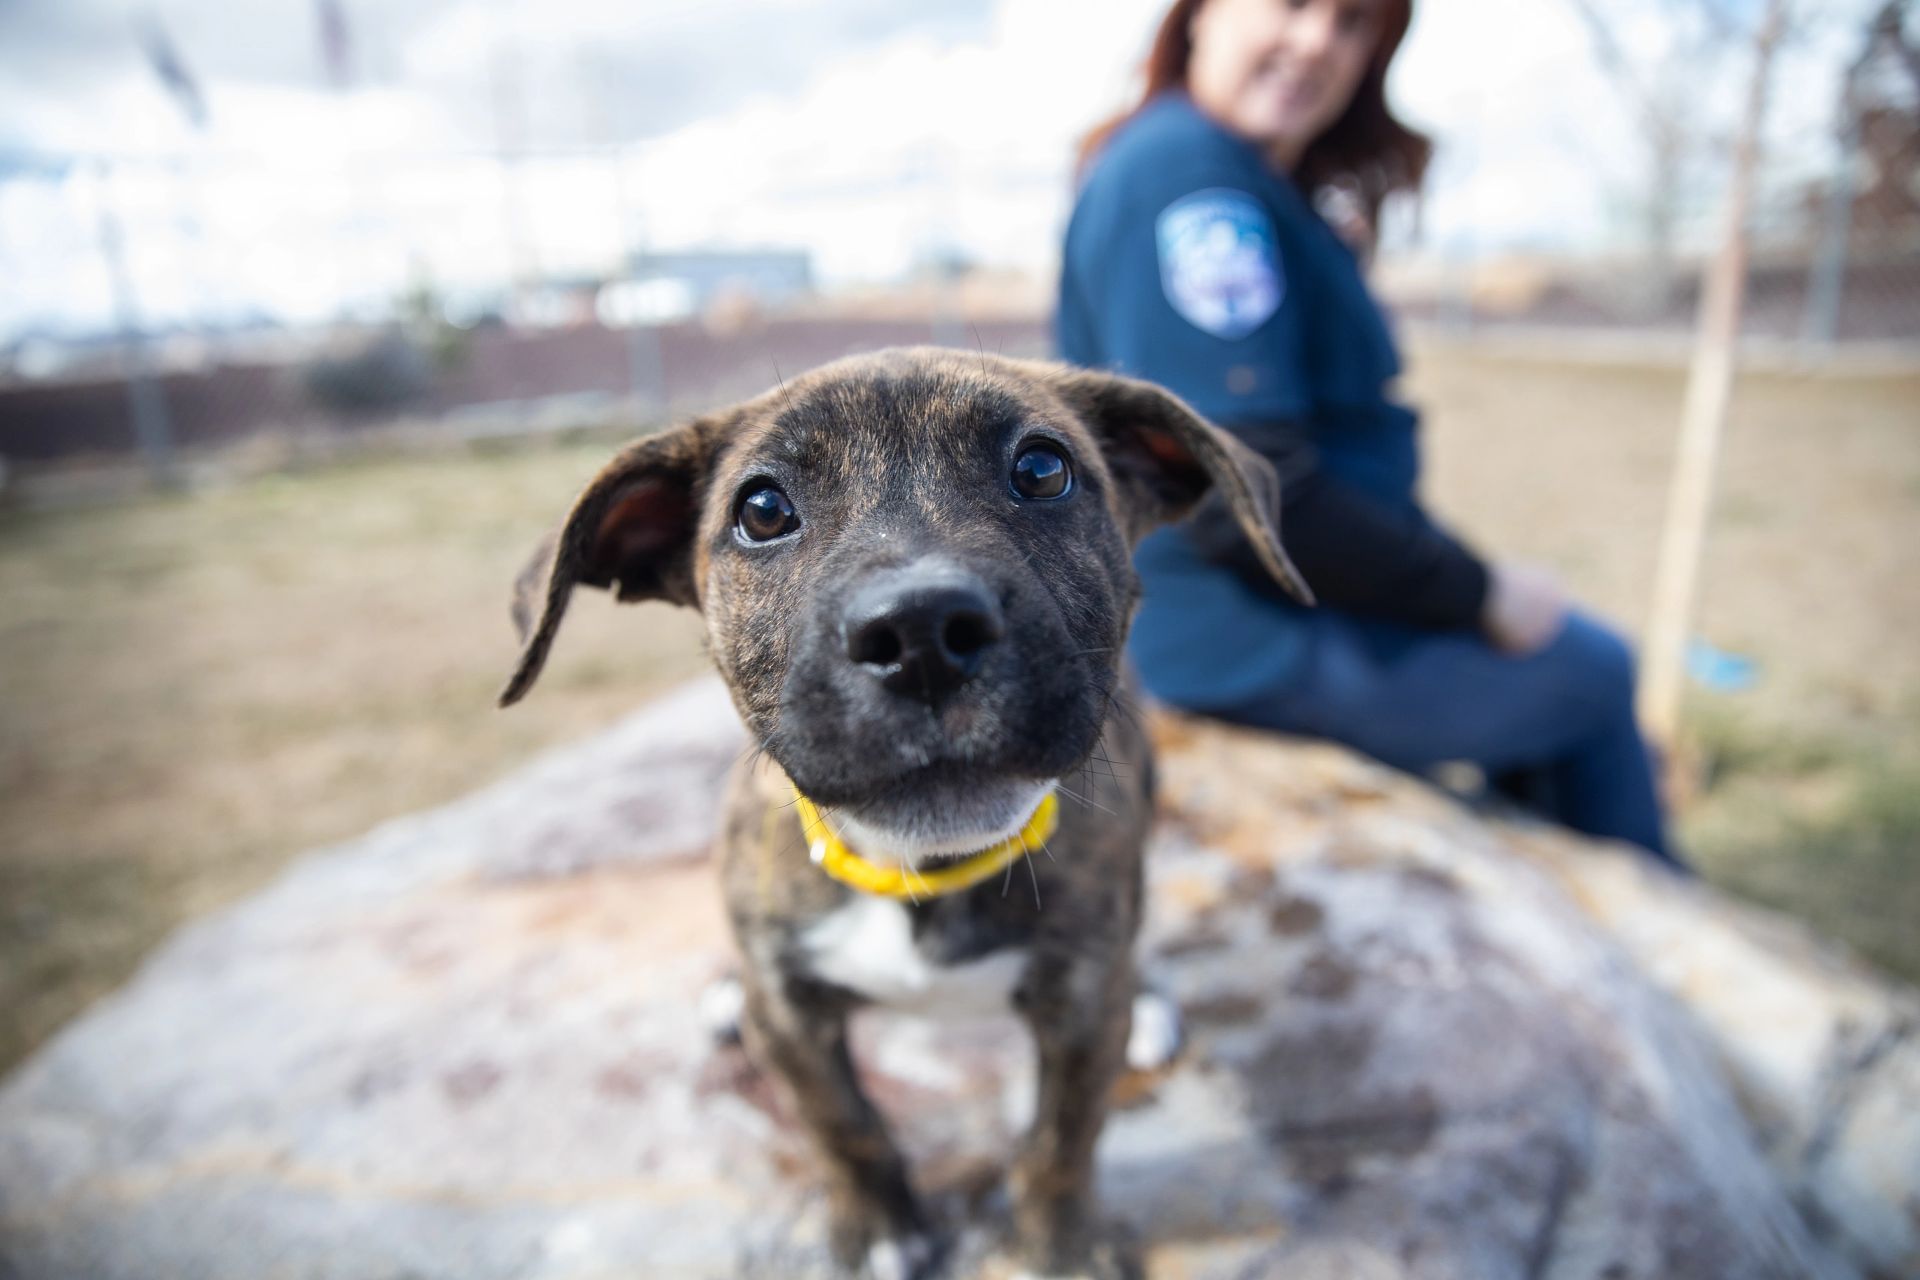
[911, 147]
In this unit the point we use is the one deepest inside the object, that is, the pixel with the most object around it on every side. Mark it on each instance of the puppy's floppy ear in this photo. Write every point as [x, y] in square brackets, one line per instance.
[1165, 458]
[631, 530]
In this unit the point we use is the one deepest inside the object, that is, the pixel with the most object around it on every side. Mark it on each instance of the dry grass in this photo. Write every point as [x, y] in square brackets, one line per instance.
[194, 689]
[197, 688]
[1809, 566]
[1812, 777]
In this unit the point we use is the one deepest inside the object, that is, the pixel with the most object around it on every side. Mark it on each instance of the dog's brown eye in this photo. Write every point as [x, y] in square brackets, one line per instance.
[1041, 471]
[765, 514]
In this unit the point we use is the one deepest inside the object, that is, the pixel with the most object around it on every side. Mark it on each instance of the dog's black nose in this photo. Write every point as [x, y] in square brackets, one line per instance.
[923, 639]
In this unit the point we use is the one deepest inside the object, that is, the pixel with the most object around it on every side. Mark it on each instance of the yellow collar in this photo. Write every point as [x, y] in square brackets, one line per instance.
[903, 881]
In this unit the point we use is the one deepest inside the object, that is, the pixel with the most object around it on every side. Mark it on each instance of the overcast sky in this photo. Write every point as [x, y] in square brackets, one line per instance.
[871, 132]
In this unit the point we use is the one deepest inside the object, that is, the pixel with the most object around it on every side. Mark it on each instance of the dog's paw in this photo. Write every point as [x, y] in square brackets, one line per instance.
[721, 1006]
[905, 1257]
[1157, 1034]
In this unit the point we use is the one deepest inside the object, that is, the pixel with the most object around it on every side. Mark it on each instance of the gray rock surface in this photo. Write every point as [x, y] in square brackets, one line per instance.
[1423, 1045]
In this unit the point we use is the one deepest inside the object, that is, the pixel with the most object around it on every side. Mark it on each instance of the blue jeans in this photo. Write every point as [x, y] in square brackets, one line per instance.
[1410, 697]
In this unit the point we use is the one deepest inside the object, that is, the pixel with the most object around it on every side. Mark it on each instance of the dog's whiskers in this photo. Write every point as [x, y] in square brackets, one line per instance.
[1035, 877]
[824, 811]
[750, 756]
[1096, 756]
[806, 832]
[1090, 803]
[786, 396]
[1117, 703]
[790, 845]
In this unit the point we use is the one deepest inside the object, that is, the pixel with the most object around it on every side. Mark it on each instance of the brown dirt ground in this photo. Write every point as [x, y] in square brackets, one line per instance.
[193, 689]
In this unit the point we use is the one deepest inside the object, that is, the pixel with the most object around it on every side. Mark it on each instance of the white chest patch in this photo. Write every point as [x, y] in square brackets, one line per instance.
[867, 946]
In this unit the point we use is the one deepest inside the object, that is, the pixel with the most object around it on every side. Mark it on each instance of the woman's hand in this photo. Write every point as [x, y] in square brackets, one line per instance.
[1524, 610]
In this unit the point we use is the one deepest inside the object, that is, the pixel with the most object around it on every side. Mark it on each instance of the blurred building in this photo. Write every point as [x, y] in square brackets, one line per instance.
[663, 287]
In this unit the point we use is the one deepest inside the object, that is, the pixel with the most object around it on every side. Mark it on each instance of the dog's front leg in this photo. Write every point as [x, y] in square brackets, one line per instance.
[1079, 1016]
[877, 1227]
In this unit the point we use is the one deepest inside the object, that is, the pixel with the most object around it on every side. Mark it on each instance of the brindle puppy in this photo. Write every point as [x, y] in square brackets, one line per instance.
[915, 572]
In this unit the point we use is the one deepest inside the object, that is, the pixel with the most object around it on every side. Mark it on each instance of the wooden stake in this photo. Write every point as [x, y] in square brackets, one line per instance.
[1709, 388]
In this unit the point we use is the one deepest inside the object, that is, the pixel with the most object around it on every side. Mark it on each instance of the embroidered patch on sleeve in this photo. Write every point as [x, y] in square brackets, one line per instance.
[1219, 262]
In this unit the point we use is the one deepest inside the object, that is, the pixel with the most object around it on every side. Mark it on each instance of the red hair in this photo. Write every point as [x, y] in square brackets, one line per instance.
[1367, 152]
